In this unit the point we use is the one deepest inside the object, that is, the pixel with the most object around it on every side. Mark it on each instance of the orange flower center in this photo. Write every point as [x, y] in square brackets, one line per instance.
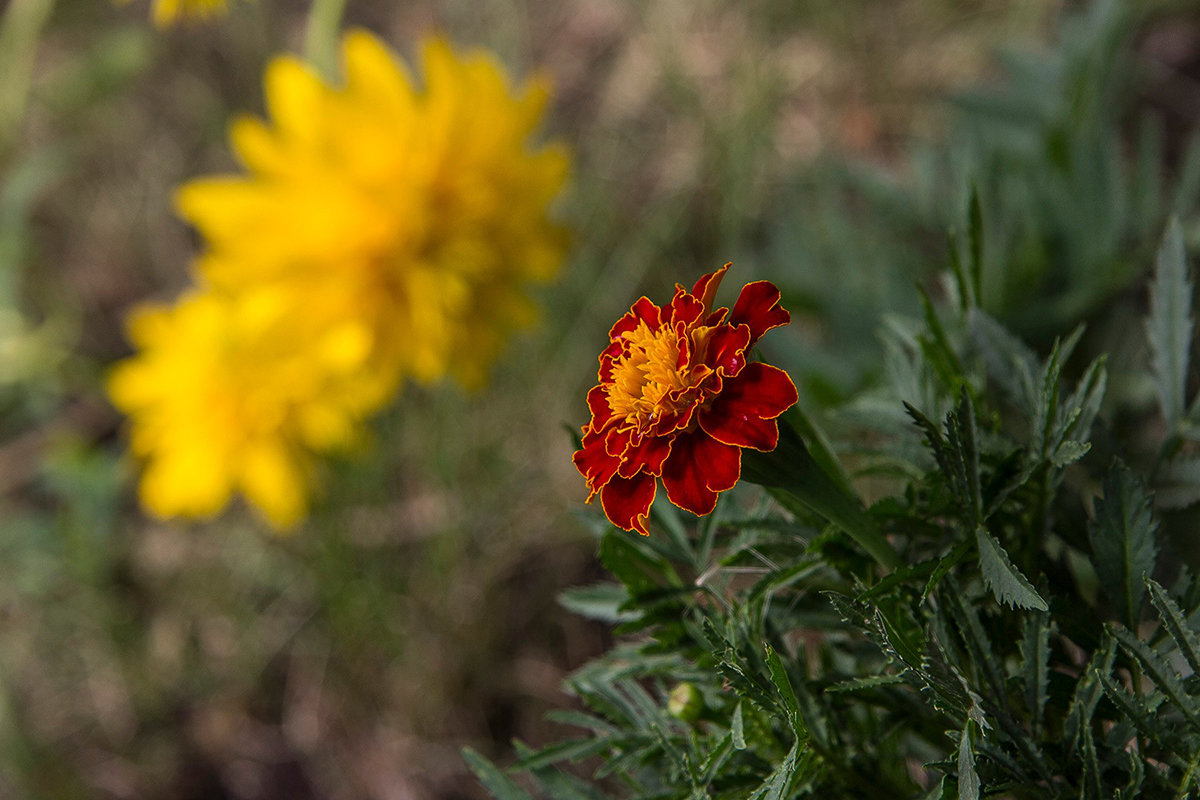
[649, 381]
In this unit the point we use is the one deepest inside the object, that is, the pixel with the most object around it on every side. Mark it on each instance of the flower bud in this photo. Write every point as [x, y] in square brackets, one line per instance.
[685, 703]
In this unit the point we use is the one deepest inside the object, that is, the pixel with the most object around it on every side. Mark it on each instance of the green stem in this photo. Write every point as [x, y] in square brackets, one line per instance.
[791, 473]
[321, 37]
[20, 30]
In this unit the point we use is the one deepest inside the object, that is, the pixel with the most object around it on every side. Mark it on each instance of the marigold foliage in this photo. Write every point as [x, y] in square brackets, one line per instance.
[382, 231]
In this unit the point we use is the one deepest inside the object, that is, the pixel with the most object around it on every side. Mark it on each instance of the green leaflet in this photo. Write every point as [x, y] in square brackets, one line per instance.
[1005, 580]
[1169, 326]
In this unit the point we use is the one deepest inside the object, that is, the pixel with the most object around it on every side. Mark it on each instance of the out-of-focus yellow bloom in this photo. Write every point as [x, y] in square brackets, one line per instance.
[236, 393]
[382, 231]
[168, 12]
[431, 201]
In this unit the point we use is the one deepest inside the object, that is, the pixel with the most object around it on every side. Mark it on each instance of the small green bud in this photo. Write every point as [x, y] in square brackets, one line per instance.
[686, 702]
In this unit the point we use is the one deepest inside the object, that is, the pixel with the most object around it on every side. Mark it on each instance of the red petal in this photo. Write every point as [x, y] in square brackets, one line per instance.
[644, 310]
[758, 306]
[617, 440]
[745, 411]
[699, 467]
[705, 289]
[596, 466]
[685, 308]
[597, 400]
[647, 454]
[727, 349]
[627, 502]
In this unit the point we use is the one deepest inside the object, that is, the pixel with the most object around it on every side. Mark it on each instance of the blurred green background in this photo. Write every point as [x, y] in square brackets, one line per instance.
[827, 145]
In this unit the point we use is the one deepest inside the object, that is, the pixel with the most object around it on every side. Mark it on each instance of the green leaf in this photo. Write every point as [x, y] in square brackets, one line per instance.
[492, 778]
[1092, 787]
[1187, 185]
[641, 572]
[1088, 691]
[1169, 326]
[1176, 624]
[1005, 580]
[1161, 673]
[737, 728]
[1007, 359]
[947, 563]
[1137, 773]
[1035, 667]
[775, 786]
[1122, 539]
[1069, 452]
[975, 239]
[968, 778]
[783, 685]
[862, 684]
[599, 601]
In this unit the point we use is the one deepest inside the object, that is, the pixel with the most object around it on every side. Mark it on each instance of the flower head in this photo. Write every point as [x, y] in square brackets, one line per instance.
[678, 399]
[429, 200]
[237, 393]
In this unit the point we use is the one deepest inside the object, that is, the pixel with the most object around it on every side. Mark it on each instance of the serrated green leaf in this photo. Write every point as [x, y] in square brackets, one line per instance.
[775, 786]
[1122, 539]
[783, 685]
[1069, 452]
[1092, 788]
[1134, 708]
[968, 779]
[492, 778]
[862, 684]
[1189, 779]
[1176, 623]
[1088, 691]
[1161, 673]
[1169, 326]
[962, 439]
[1006, 582]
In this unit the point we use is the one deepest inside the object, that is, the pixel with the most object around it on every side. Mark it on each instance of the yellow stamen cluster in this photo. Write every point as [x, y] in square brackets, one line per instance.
[649, 381]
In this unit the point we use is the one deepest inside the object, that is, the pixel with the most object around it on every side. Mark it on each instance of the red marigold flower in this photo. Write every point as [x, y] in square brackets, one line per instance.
[677, 400]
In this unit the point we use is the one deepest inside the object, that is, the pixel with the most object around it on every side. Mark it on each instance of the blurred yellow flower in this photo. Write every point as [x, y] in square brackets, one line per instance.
[431, 201]
[236, 393]
[382, 231]
[168, 12]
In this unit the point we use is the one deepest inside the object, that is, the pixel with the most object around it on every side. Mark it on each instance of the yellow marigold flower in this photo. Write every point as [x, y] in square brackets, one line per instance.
[236, 393]
[429, 200]
[168, 12]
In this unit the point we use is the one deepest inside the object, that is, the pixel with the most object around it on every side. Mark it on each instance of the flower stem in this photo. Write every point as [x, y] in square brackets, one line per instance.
[20, 29]
[793, 476]
[321, 36]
